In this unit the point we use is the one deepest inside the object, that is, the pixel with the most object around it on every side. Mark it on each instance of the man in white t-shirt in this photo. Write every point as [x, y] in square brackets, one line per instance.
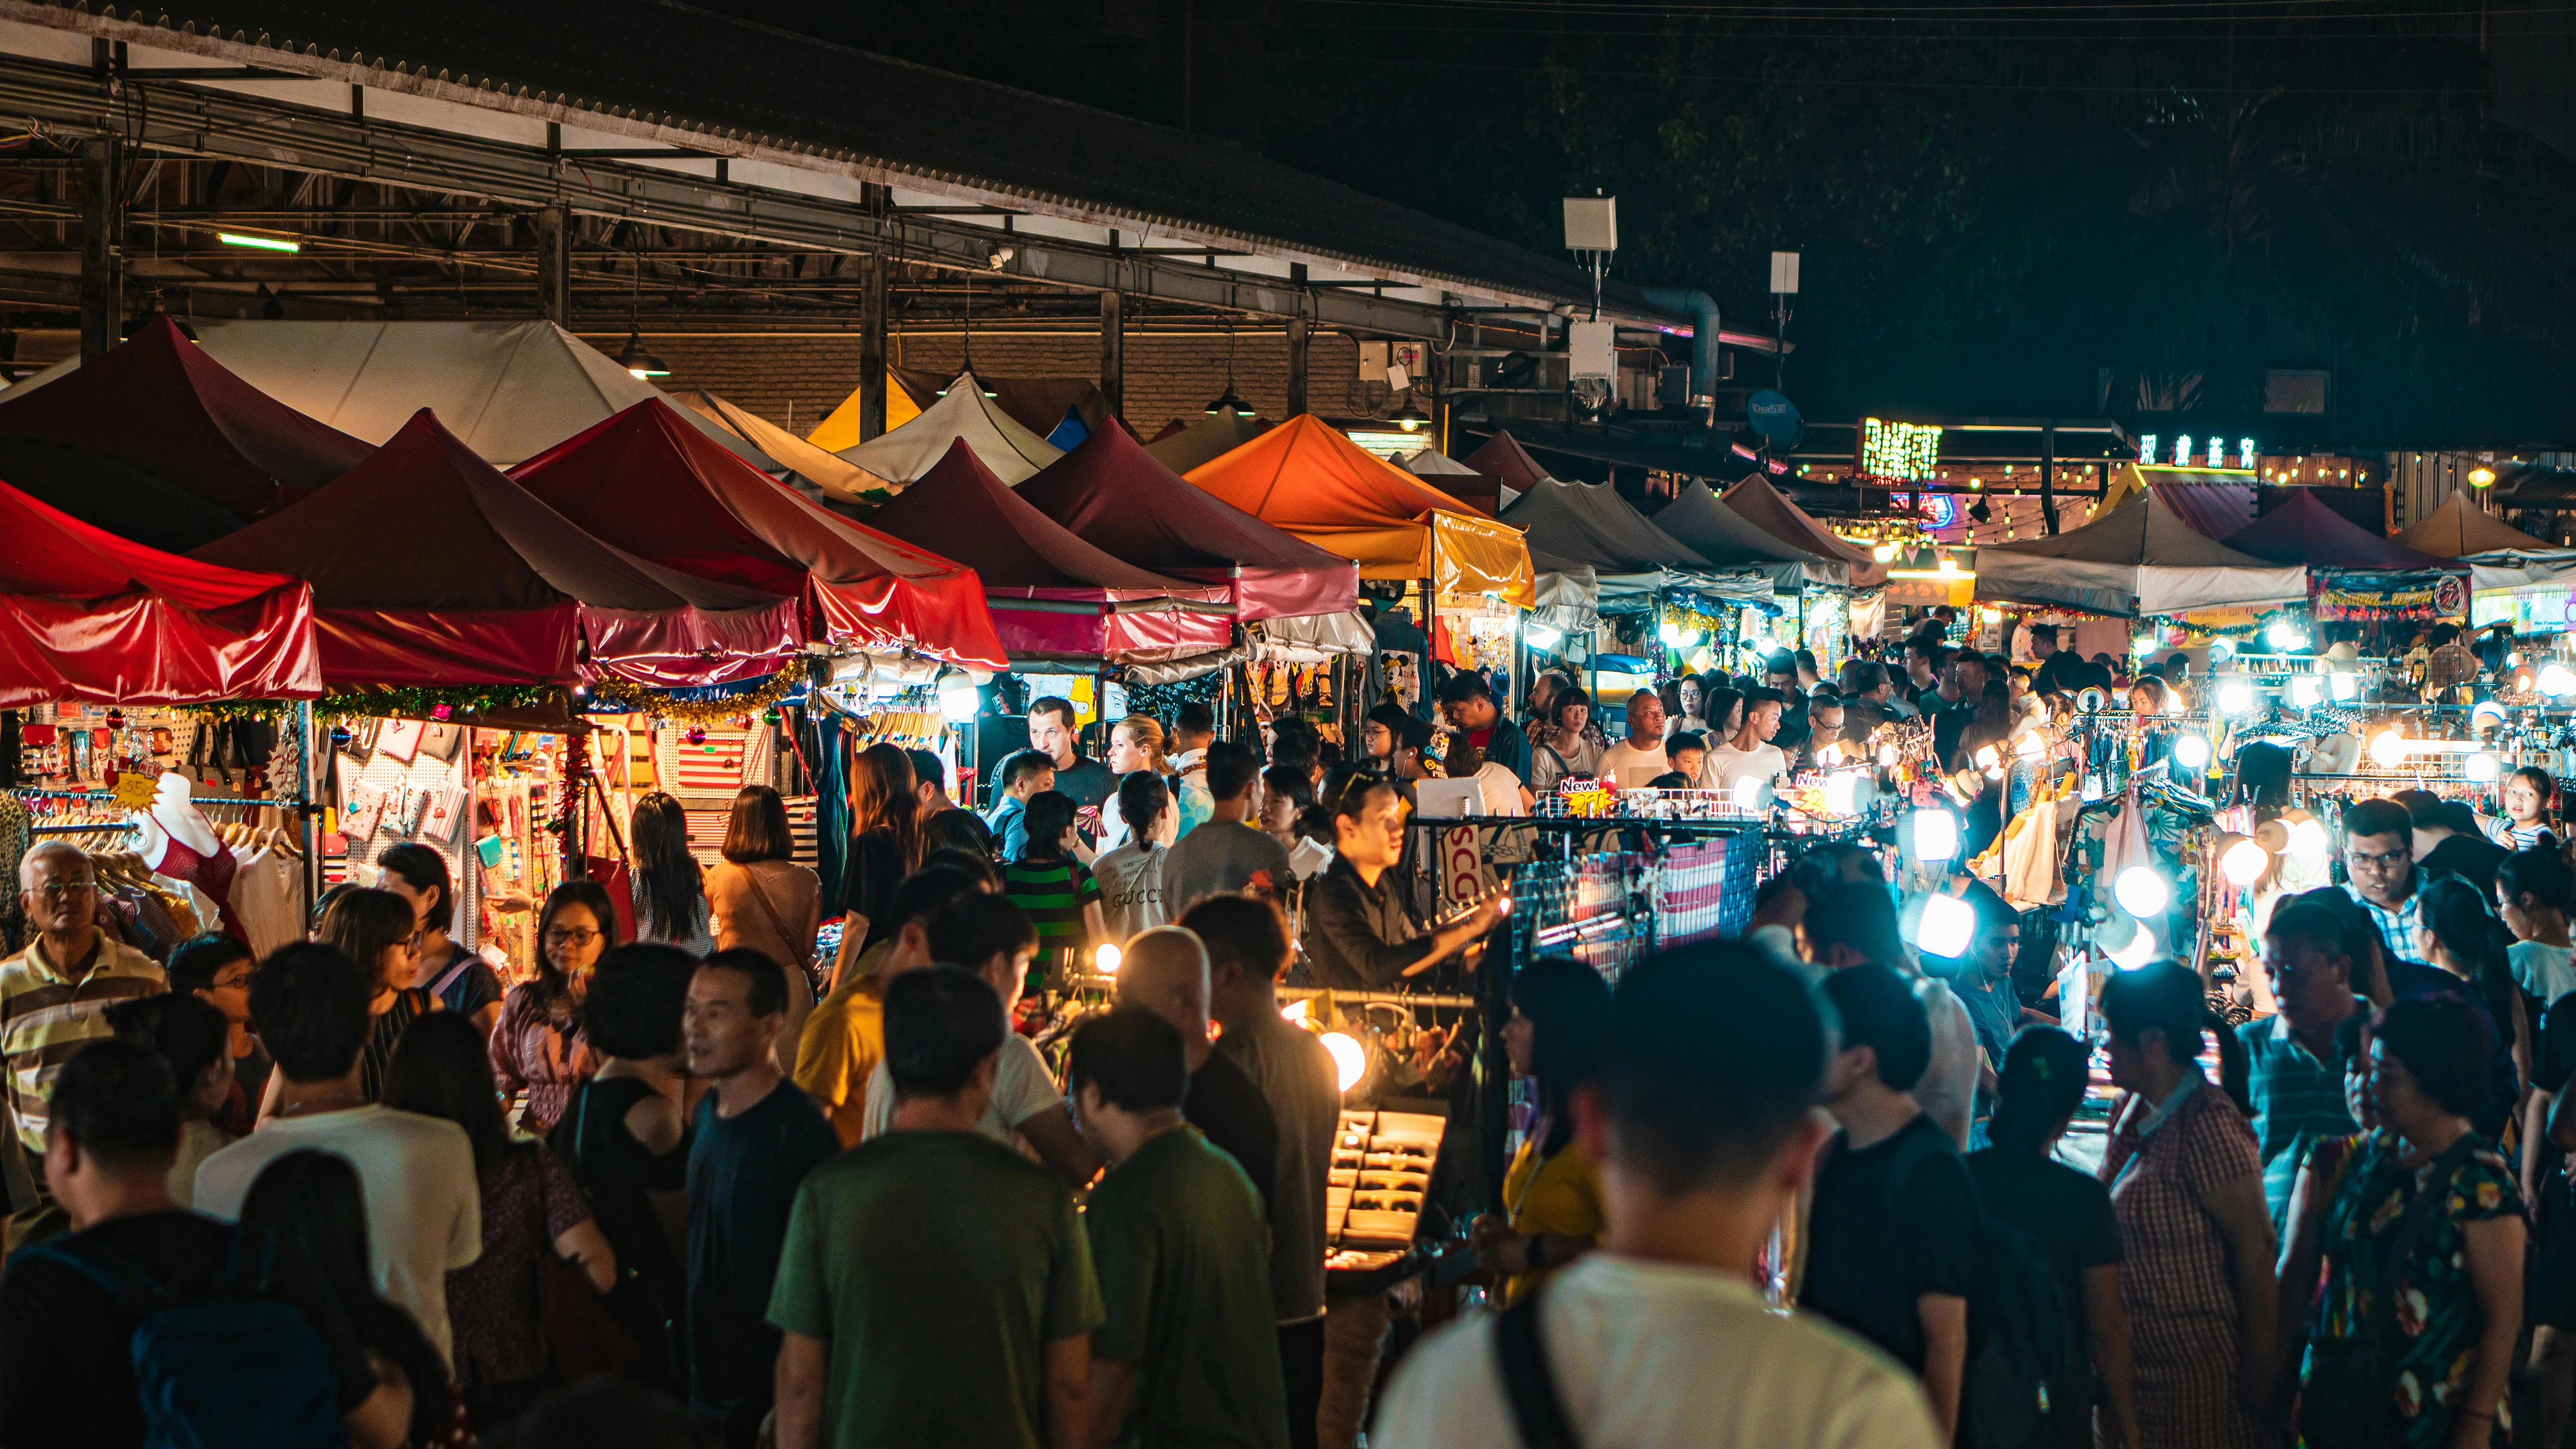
[424, 1211]
[994, 939]
[1750, 754]
[1704, 1130]
[1632, 767]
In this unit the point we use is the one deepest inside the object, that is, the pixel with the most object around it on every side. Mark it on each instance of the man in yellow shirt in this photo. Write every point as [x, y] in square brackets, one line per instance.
[844, 1038]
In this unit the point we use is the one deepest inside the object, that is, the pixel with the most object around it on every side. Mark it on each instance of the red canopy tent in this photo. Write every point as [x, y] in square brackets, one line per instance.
[89, 616]
[1503, 457]
[160, 403]
[2303, 530]
[649, 482]
[431, 567]
[1052, 593]
[1112, 494]
[1763, 506]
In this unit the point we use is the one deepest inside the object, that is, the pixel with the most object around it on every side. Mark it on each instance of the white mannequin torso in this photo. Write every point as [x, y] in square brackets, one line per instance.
[174, 817]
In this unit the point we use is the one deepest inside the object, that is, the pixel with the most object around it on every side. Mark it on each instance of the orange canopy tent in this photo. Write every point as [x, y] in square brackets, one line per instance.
[1306, 477]
[1766, 508]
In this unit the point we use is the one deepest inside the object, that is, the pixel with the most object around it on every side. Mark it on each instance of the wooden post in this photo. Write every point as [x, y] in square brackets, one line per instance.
[1113, 352]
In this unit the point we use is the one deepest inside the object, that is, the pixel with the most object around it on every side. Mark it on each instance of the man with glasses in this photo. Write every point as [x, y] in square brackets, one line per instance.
[1360, 934]
[54, 995]
[2379, 863]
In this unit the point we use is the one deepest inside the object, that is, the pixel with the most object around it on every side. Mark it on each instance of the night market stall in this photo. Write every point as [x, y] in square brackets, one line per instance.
[824, 477]
[1204, 440]
[964, 414]
[2514, 578]
[2354, 574]
[2139, 560]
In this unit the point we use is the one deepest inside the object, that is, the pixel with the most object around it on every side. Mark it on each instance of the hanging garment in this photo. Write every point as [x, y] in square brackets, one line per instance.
[212, 874]
[267, 891]
[2124, 846]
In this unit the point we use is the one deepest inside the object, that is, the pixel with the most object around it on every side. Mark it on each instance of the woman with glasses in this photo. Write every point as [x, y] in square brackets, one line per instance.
[2413, 1337]
[2186, 1180]
[375, 928]
[540, 1047]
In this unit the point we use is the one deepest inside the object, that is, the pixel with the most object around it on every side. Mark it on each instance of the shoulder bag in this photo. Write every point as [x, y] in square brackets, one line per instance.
[582, 1337]
[1529, 1385]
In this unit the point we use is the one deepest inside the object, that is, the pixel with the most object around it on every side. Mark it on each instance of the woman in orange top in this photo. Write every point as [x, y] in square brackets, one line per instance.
[1551, 1196]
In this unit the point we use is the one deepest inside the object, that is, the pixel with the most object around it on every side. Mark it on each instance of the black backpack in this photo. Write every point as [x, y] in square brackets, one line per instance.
[2019, 1323]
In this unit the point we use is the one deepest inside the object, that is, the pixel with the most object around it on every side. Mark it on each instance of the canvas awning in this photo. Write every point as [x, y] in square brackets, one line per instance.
[511, 390]
[2302, 530]
[1701, 520]
[430, 567]
[964, 415]
[1309, 478]
[1053, 595]
[133, 503]
[1503, 457]
[1629, 556]
[826, 475]
[2140, 559]
[1112, 494]
[648, 482]
[85, 615]
[1431, 463]
[2501, 558]
[1204, 441]
[163, 404]
[1762, 505]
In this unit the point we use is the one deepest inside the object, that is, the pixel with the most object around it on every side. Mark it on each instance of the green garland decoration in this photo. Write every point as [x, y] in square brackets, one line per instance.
[430, 702]
[662, 704]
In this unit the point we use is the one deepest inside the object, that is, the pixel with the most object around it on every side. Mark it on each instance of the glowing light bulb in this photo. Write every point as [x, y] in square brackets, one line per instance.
[1936, 835]
[2135, 952]
[2285, 635]
[2306, 690]
[1670, 633]
[959, 701]
[2143, 645]
[2307, 838]
[2487, 715]
[1541, 636]
[2482, 769]
[2344, 688]
[2245, 861]
[2556, 682]
[2030, 744]
[2388, 749]
[2191, 752]
[1842, 791]
[1350, 1059]
[2141, 892]
[1947, 926]
[1988, 757]
[1105, 960]
[1887, 757]
[1884, 553]
[1748, 792]
[2236, 697]
[1294, 1011]
[2221, 650]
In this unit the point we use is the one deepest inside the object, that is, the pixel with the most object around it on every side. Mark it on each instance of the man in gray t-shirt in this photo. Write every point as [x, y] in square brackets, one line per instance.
[1222, 854]
[1247, 946]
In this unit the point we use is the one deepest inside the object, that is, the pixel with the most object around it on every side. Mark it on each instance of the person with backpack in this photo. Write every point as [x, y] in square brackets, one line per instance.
[2186, 1180]
[73, 1355]
[2069, 1215]
[1704, 1131]
[1891, 1235]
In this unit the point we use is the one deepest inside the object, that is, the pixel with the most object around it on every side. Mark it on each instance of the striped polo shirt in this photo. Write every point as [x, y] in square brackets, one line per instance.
[2297, 1099]
[47, 1014]
[1053, 892]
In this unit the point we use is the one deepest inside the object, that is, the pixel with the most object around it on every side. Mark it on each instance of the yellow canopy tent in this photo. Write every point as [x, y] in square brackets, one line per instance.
[1307, 477]
[841, 429]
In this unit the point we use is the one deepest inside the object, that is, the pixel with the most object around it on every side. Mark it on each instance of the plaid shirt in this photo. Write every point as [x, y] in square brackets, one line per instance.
[2397, 925]
[47, 1014]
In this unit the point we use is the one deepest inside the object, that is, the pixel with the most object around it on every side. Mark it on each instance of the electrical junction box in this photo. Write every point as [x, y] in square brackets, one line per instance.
[1591, 350]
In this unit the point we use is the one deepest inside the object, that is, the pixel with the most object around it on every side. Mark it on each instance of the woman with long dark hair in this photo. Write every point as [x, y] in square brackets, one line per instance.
[1559, 749]
[540, 1047]
[2413, 1337]
[885, 846]
[762, 900]
[531, 1206]
[1551, 1195]
[461, 979]
[311, 1208]
[1131, 875]
[374, 928]
[2021, 1183]
[670, 894]
[2186, 1180]
[627, 1144]
[2457, 931]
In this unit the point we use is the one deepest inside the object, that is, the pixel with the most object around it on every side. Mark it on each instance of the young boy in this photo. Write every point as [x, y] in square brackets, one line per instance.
[1686, 752]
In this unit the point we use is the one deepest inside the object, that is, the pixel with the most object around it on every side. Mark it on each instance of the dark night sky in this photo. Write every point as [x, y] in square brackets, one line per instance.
[1996, 205]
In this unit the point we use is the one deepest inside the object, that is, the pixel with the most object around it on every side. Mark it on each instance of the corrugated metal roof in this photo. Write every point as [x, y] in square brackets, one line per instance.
[675, 65]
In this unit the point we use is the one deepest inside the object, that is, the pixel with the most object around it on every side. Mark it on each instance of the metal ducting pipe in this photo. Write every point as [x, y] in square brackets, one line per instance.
[1703, 314]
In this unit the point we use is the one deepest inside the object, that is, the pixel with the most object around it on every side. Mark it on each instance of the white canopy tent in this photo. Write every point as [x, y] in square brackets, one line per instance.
[2138, 560]
[1432, 463]
[510, 390]
[2501, 558]
[999, 442]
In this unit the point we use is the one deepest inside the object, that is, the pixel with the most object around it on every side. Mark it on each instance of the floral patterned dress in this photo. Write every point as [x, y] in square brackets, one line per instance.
[2437, 1308]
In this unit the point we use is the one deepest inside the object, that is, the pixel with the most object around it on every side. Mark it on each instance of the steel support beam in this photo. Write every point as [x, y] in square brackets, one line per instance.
[189, 121]
[554, 265]
[872, 346]
[1297, 345]
[102, 292]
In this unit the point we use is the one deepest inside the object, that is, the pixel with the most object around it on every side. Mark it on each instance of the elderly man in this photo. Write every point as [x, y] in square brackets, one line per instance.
[1166, 972]
[1824, 722]
[2295, 1064]
[54, 995]
[1631, 763]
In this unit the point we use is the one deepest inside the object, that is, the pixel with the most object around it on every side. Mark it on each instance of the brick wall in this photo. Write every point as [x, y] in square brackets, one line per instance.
[795, 381]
